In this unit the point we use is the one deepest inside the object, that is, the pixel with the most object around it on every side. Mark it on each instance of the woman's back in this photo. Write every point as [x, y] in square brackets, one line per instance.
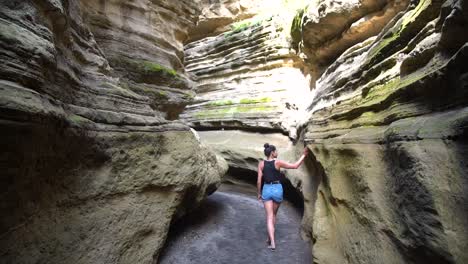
[270, 173]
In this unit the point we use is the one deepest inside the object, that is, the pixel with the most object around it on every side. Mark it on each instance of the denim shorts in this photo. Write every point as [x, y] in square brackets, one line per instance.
[272, 192]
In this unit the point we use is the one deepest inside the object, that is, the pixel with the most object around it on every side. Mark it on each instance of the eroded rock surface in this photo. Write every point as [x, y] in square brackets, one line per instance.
[243, 150]
[376, 89]
[80, 197]
[93, 171]
[246, 78]
[388, 127]
[216, 16]
[143, 44]
[330, 27]
[386, 123]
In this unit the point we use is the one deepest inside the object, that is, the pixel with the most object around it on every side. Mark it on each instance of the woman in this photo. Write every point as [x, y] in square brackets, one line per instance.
[272, 193]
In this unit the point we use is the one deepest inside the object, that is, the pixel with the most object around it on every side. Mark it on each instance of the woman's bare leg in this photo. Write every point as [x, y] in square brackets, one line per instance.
[275, 211]
[269, 219]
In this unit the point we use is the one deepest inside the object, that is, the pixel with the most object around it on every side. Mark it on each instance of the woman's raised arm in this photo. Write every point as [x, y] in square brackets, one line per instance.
[287, 165]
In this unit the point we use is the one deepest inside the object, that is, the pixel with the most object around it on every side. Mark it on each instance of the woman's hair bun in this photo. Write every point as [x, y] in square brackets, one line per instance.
[268, 149]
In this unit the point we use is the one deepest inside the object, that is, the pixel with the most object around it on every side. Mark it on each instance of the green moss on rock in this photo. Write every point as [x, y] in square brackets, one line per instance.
[162, 94]
[221, 103]
[255, 100]
[245, 24]
[144, 67]
[241, 101]
[155, 67]
[188, 96]
[395, 33]
[79, 120]
[230, 112]
[250, 109]
[296, 27]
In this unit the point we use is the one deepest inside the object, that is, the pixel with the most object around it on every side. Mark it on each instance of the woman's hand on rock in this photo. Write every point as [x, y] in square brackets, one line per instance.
[306, 151]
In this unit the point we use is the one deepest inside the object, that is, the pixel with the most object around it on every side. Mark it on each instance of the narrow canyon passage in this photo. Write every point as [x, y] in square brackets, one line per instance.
[229, 227]
[119, 117]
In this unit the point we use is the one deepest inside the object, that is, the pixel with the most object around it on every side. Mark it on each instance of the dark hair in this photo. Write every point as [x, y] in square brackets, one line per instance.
[268, 149]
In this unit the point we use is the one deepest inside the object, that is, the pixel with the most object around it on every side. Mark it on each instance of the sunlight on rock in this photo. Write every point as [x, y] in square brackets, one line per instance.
[119, 118]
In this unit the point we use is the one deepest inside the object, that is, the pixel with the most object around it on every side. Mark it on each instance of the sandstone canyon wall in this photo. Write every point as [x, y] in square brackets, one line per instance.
[388, 124]
[247, 77]
[92, 170]
[96, 168]
[385, 118]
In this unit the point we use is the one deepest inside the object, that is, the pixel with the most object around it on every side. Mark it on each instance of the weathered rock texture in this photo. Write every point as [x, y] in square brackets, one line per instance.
[387, 123]
[143, 44]
[97, 197]
[246, 78]
[388, 127]
[92, 170]
[95, 172]
[217, 15]
[328, 28]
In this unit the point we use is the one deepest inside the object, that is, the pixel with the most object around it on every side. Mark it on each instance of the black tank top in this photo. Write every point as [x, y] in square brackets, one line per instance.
[270, 173]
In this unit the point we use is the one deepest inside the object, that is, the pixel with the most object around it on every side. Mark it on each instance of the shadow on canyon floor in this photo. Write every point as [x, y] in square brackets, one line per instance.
[229, 227]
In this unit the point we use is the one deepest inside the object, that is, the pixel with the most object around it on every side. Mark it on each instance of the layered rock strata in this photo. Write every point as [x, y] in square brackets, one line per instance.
[88, 87]
[323, 30]
[388, 127]
[382, 116]
[247, 77]
[386, 124]
[216, 16]
[143, 44]
[92, 170]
